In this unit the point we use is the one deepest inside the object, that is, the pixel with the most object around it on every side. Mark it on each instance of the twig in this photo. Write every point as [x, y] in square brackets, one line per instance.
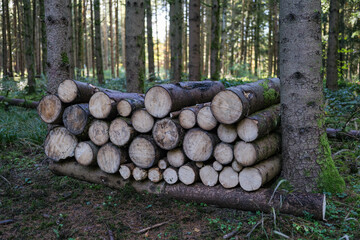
[254, 227]
[5, 179]
[8, 221]
[111, 235]
[231, 234]
[151, 227]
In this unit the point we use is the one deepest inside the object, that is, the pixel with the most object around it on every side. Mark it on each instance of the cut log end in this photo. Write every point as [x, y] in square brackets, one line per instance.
[110, 157]
[188, 174]
[187, 119]
[100, 105]
[124, 108]
[223, 153]
[227, 107]
[155, 175]
[158, 102]
[229, 178]
[176, 157]
[163, 164]
[167, 133]
[143, 152]
[227, 133]
[206, 119]
[250, 179]
[86, 153]
[60, 144]
[209, 176]
[142, 121]
[217, 166]
[50, 109]
[67, 91]
[170, 175]
[245, 153]
[247, 130]
[139, 174]
[120, 132]
[75, 119]
[126, 170]
[198, 145]
[99, 132]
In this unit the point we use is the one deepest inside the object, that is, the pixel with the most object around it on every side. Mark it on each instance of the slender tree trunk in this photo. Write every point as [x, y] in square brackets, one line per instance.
[276, 40]
[105, 38]
[176, 20]
[20, 37]
[185, 37]
[28, 31]
[75, 36]
[111, 40]
[4, 40]
[194, 40]
[202, 38]
[232, 40]
[35, 31]
[16, 51]
[123, 38]
[150, 42]
[43, 36]
[257, 35]
[99, 61]
[135, 45]
[157, 40]
[224, 31]
[208, 38]
[333, 43]
[307, 163]
[85, 37]
[270, 39]
[92, 37]
[215, 41]
[80, 40]
[166, 49]
[117, 49]
[11, 74]
[244, 7]
[246, 42]
[342, 38]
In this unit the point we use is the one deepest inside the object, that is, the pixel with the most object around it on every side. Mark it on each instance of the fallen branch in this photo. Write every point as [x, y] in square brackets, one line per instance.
[151, 227]
[19, 102]
[8, 221]
[339, 134]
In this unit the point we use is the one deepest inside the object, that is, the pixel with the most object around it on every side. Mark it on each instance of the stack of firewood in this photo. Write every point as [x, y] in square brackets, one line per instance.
[185, 132]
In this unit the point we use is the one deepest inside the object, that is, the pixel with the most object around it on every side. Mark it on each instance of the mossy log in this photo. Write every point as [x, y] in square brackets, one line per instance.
[19, 102]
[298, 204]
[339, 134]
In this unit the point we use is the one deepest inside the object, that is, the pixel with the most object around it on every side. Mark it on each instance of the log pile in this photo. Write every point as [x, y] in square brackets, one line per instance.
[186, 134]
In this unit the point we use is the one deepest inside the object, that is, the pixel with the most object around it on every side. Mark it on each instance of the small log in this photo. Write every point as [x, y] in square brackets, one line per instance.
[127, 106]
[217, 166]
[235, 103]
[144, 152]
[103, 104]
[171, 175]
[163, 164]
[50, 109]
[339, 134]
[139, 174]
[19, 102]
[176, 157]
[205, 119]
[248, 154]
[167, 133]
[99, 132]
[259, 124]
[236, 166]
[60, 144]
[126, 170]
[229, 178]
[252, 178]
[142, 121]
[175, 114]
[295, 203]
[227, 133]
[209, 176]
[162, 99]
[188, 174]
[199, 145]
[77, 119]
[71, 91]
[110, 157]
[155, 175]
[121, 132]
[86, 153]
[188, 115]
[224, 153]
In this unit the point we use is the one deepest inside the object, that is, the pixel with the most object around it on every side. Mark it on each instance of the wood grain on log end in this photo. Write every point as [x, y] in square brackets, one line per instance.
[76, 117]
[60, 144]
[144, 152]
[229, 178]
[110, 157]
[120, 132]
[227, 133]
[155, 175]
[126, 170]
[50, 109]
[227, 107]
[205, 119]
[247, 130]
[100, 105]
[176, 157]
[209, 176]
[142, 121]
[67, 91]
[158, 102]
[167, 133]
[245, 153]
[139, 174]
[188, 174]
[171, 175]
[86, 153]
[187, 118]
[224, 153]
[99, 132]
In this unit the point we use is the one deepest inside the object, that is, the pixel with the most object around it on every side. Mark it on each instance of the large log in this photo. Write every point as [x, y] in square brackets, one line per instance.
[252, 178]
[77, 118]
[298, 204]
[86, 153]
[121, 132]
[248, 154]
[71, 91]
[259, 124]
[142, 121]
[209, 176]
[199, 145]
[60, 144]
[110, 157]
[127, 106]
[99, 132]
[104, 104]
[162, 99]
[167, 133]
[50, 109]
[235, 103]
[227, 133]
[188, 115]
[144, 152]
[205, 119]
[19, 102]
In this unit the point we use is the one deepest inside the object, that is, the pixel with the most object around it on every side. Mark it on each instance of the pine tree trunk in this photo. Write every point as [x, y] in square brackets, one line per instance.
[99, 61]
[28, 30]
[333, 43]
[111, 40]
[135, 45]
[224, 30]
[11, 74]
[15, 26]
[257, 35]
[185, 37]
[150, 42]
[270, 39]
[117, 49]
[157, 40]
[43, 37]
[307, 162]
[194, 40]
[4, 40]
[85, 37]
[176, 21]
[215, 41]
[92, 38]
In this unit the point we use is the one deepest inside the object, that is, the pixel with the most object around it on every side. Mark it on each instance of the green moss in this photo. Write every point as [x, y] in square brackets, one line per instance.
[64, 58]
[269, 93]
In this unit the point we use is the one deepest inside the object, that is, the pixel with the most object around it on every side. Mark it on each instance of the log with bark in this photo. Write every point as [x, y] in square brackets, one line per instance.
[227, 133]
[86, 153]
[77, 119]
[162, 99]
[99, 132]
[171, 175]
[205, 119]
[71, 91]
[121, 132]
[199, 145]
[176, 157]
[235, 103]
[155, 175]
[188, 173]
[224, 153]
[209, 176]
[50, 109]
[127, 106]
[126, 170]
[103, 104]
[298, 204]
[340, 134]
[228, 177]
[259, 124]
[188, 115]
[60, 144]
[144, 152]
[167, 133]
[19, 102]
[110, 157]
[142, 121]
[248, 154]
[252, 178]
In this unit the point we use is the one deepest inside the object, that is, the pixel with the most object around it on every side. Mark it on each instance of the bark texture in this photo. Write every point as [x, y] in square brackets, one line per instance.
[98, 53]
[176, 22]
[194, 40]
[333, 43]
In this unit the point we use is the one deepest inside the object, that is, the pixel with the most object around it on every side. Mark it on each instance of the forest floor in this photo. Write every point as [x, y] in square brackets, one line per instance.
[41, 205]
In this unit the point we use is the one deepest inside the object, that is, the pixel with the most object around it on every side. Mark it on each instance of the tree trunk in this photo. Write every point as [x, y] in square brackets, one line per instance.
[99, 60]
[167, 133]
[110, 157]
[257, 35]
[50, 109]
[111, 40]
[99, 132]
[135, 45]
[4, 40]
[29, 51]
[227, 133]
[9, 35]
[43, 36]
[144, 152]
[176, 21]
[86, 153]
[165, 98]
[117, 48]
[224, 153]
[150, 42]
[142, 121]
[215, 41]
[224, 31]
[185, 37]
[80, 40]
[86, 57]
[92, 38]
[157, 40]
[77, 118]
[121, 132]
[19, 102]
[57, 19]
[194, 40]
[60, 144]
[270, 38]
[307, 162]
[333, 43]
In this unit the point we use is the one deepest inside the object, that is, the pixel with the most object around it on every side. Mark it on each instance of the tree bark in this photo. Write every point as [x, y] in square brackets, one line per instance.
[194, 40]
[29, 51]
[4, 40]
[98, 50]
[11, 73]
[92, 38]
[176, 21]
[150, 42]
[307, 162]
[111, 40]
[43, 36]
[215, 41]
[117, 48]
